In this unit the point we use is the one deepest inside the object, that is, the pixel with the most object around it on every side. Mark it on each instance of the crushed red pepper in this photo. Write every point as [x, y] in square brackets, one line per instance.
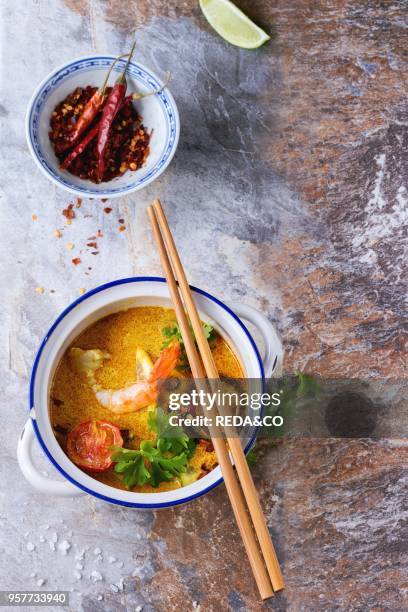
[68, 212]
[128, 144]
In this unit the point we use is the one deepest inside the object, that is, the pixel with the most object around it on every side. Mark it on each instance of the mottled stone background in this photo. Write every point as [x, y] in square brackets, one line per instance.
[288, 192]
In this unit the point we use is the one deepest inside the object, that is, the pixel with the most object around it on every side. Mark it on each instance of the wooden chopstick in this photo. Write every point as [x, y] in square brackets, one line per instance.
[230, 479]
[241, 464]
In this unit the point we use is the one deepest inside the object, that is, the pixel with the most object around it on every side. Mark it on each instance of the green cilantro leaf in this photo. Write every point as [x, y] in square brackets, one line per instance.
[155, 461]
[172, 332]
[132, 466]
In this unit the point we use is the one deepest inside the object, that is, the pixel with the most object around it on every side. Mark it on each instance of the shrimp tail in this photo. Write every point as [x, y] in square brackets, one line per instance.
[165, 364]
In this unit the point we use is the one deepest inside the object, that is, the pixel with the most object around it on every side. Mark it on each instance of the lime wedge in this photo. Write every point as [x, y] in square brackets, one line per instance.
[144, 364]
[231, 23]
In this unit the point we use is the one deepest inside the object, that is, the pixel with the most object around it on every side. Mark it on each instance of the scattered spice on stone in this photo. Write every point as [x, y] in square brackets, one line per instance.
[39, 290]
[57, 234]
[107, 210]
[34, 217]
[70, 246]
[122, 228]
[68, 212]
[76, 261]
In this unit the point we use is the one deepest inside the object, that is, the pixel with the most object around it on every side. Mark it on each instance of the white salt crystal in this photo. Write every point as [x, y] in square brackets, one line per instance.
[51, 545]
[30, 546]
[54, 537]
[111, 559]
[135, 573]
[138, 609]
[97, 551]
[96, 576]
[40, 582]
[79, 566]
[114, 588]
[64, 547]
[69, 534]
[99, 598]
[77, 575]
[46, 527]
[33, 575]
[120, 564]
[99, 559]
[27, 533]
[80, 555]
[42, 539]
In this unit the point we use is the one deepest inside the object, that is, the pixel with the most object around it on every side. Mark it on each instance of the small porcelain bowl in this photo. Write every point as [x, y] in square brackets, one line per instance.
[159, 113]
[104, 300]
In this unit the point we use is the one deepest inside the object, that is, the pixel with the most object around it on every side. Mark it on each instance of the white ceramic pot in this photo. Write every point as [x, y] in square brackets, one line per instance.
[104, 300]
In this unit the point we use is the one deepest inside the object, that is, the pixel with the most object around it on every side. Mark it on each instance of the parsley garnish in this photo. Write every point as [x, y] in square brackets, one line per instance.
[156, 461]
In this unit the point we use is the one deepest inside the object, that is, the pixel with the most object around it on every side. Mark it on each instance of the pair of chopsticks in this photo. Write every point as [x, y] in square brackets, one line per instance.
[242, 493]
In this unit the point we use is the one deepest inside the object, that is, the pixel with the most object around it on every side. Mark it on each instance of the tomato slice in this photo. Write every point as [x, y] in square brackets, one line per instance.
[89, 445]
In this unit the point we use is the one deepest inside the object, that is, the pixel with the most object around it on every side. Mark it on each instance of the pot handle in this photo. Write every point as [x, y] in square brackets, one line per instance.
[272, 353]
[33, 475]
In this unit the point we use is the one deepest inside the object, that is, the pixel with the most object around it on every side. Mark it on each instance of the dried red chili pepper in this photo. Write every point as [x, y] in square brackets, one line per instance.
[80, 147]
[92, 108]
[110, 110]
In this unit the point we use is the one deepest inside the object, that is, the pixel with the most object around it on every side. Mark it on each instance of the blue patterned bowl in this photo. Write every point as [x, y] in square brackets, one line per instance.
[159, 113]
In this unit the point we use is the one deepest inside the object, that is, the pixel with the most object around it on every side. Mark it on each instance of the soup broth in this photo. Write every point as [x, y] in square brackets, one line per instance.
[112, 343]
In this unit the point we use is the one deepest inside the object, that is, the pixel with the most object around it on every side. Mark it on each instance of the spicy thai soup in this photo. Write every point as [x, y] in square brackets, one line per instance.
[103, 402]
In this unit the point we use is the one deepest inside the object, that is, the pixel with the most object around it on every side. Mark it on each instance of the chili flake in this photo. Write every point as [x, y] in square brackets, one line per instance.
[76, 261]
[68, 212]
[128, 143]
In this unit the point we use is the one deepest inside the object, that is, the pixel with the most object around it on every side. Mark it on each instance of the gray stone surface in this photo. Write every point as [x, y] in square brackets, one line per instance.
[286, 155]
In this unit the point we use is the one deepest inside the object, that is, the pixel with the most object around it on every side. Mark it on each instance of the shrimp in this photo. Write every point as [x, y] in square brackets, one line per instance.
[144, 392]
